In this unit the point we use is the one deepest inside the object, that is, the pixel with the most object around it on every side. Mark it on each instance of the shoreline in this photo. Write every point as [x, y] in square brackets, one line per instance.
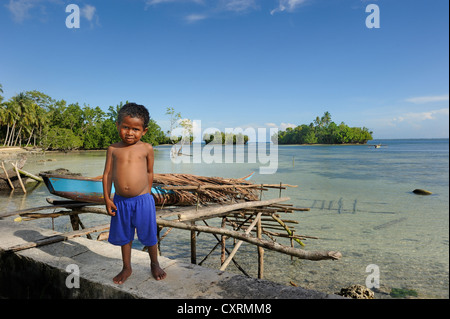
[36, 150]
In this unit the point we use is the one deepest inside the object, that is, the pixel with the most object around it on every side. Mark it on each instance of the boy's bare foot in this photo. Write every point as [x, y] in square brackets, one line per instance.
[157, 272]
[122, 276]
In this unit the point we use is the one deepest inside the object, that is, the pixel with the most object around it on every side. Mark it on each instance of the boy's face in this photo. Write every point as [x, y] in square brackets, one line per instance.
[131, 129]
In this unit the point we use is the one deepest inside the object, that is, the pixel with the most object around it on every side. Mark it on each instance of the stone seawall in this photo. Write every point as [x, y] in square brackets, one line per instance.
[49, 272]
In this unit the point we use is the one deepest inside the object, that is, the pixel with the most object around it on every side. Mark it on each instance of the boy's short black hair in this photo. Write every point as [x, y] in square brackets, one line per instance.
[134, 110]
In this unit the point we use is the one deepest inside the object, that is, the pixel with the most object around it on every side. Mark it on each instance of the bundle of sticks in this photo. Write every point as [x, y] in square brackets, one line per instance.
[192, 189]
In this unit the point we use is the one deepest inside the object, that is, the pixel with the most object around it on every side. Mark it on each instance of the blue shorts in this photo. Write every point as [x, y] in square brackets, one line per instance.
[134, 213]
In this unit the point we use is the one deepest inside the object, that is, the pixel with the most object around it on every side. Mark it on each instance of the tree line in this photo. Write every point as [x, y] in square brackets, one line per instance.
[225, 138]
[324, 131]
[33, 118]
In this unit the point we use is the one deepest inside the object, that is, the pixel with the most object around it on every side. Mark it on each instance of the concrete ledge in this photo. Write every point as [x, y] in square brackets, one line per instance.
[41, 273]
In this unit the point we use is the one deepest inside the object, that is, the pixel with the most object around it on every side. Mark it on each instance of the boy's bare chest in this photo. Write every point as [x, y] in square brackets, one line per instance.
[130, 156]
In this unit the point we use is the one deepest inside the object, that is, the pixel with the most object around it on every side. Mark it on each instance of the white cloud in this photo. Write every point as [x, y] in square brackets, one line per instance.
[20, 8]
[156, 2]
[283, 126]
[421, 116]
[428, 99]
[287, 5]
[88, 12]
[238, 5]
[195, 17]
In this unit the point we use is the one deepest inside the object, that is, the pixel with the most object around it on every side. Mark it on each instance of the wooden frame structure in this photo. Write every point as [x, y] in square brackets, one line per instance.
[257, 222]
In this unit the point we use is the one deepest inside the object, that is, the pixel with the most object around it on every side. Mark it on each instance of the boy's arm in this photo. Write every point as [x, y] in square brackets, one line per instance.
[150, 161]
[107, 183]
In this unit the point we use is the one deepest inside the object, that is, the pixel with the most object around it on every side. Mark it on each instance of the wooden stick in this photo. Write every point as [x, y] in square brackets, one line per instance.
[32, 216]
[37, 178]
[223, 242]
[7, 177]
[228, 252]
[20, 179]
[300, 253]
[193, 245]
[212, 186]
[287, 229]
[260, 251]
[34, 209]
[239, 243]
[195, 214]
[58, 238]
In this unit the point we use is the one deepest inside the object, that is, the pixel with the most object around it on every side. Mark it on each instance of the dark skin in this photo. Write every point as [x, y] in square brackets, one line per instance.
[129, 165]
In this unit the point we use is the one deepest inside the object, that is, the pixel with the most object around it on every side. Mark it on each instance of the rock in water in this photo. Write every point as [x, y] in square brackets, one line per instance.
[421, 192]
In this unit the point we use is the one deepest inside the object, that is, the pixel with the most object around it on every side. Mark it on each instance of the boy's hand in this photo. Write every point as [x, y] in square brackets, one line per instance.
[110, 207]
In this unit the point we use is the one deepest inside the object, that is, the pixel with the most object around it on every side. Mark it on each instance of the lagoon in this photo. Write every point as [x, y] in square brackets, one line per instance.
[361, 204]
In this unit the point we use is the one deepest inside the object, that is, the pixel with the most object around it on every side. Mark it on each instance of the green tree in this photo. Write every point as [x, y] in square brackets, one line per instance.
[174, 118]
[326, 118]
[62, 139]
[18, 114]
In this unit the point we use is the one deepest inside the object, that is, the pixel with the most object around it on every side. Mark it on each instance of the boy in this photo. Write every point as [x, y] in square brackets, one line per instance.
[129, 165]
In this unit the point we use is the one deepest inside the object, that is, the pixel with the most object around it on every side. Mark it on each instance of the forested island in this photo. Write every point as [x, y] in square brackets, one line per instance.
[324, 131]
[225, 138]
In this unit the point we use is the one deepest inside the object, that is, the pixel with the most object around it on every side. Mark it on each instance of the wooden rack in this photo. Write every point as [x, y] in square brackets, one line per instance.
[258, 222]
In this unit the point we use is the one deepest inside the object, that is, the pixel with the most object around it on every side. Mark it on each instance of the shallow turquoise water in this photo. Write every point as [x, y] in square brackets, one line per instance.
[361, 204]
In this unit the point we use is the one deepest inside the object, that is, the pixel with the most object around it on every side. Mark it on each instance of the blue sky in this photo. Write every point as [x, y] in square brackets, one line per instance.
[239, 63]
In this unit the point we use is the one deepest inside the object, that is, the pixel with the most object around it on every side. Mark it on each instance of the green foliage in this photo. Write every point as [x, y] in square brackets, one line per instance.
[35, 118]
[61, 139]
[402, 293]
[324, 131]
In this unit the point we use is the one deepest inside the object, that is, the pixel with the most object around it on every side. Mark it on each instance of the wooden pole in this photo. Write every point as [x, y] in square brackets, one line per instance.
[78, 207]
[300, 253]
[193, 245]
[208, 212]
[76, 223]
[58, 238]
[36, 178]
[260, 251]
[7, 177]
[204, 187]
[287, 229]
[226, 249]
[20, 179]
[239, 243]
[222, 241]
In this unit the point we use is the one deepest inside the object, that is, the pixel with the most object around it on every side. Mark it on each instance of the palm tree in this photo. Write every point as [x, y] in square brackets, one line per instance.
[1, 97]
[326, 118]
[31, 120]
[9, 117]
[20, 112]
[318, 121]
